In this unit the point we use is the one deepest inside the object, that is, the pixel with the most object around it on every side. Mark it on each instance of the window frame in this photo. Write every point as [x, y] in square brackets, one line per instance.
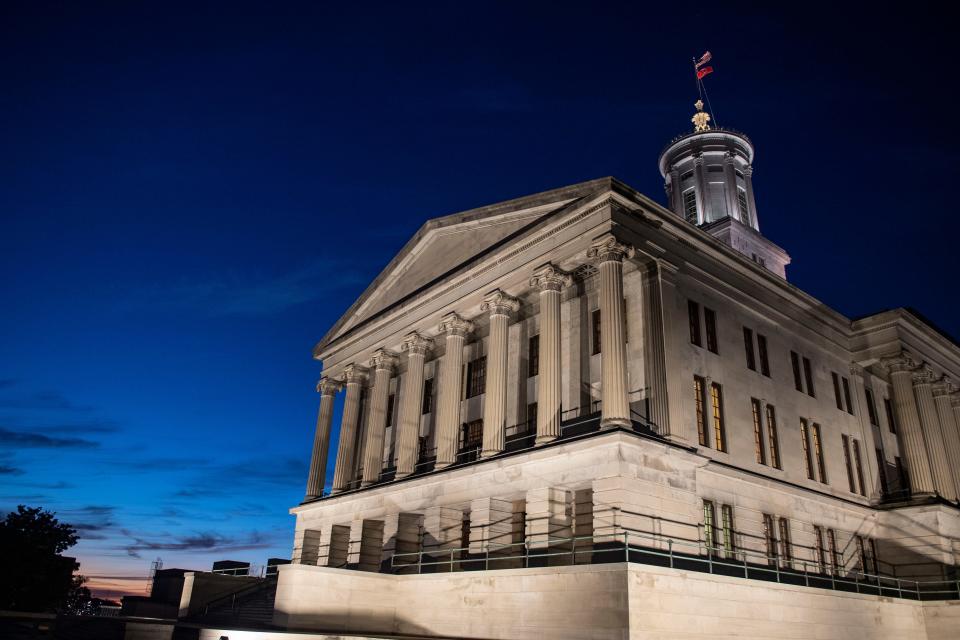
[533, 356]
[756, 409]
[808, 377]
[710, 329]
[773, 437]
[719, 426]
[476, 377]
[797, 375]
[818, 452]
[805, 442]
[696, 333]
[764, 355]
[748, 348]
[595, 333]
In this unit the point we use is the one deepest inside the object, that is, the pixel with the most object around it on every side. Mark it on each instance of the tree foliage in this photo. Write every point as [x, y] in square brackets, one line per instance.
[37, 577]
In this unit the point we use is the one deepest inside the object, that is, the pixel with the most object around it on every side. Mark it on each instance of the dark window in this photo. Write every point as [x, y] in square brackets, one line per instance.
[847, 462]
[770, 536]
[764, 360]
[700, 397]
[390, 401]
[858, 464]
[821, 551]
[902, 477]
[595, 319]
[772, 437]
[786, 549]
[836, 389]
[808, 376]
[759, 450]
[690, 206]
[729, 547]
[861, 554]
[533, 351]
[716, 403]
[709, 520]
[818, 453]
[710, 321]
[891, 418]
[427, 395]
[871, 407]
[795, 361]
[694, 311]
[477, 377]
[472, 434]
[748, 346]
[532, 415]
[835, 560]
[846, 396]
[805, 441]
[882, 466]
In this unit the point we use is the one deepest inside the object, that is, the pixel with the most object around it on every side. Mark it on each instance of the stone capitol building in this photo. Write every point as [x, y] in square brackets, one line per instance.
[583, 414]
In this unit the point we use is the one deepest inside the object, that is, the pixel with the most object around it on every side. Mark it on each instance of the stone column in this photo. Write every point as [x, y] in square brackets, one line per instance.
[550, 281]
[700, 189]
[500, 305]
[450, 392]
[383, 363]
[730, 177]
[933, 434]
[491, 526]
[751, 203]
[609, 254]
[943, 389]
[353, 377]
[549, 516]
[328, 389]
[366, 545]
[908, 418]
[675, 191]
[866, 431]
[666, 388]
[411, 407]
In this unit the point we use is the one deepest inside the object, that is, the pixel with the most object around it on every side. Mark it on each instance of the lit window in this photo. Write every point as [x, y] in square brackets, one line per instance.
[770, 536]
[758, 431]
[805, 441]
[726, 513]
[786, 549]
[716, 401]
[772, 437]
[700, 398]
[818, 452]
[709, 536]
[742, 202]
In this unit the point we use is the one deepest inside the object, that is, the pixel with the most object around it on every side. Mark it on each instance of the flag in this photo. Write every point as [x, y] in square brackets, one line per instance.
[704, 59]
[704, 72]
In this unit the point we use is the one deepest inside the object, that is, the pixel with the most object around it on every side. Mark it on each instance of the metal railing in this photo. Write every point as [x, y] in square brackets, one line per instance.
[654, 549]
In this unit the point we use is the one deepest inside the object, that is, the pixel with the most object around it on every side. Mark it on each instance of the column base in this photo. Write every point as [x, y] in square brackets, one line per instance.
[366, 483]
[402, 474]
[615, 422]
[545, 439]
[441, 465]
[489, 453]
[335, 490]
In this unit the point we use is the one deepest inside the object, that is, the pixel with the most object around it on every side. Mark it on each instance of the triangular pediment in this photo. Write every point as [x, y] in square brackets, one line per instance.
[445, 245]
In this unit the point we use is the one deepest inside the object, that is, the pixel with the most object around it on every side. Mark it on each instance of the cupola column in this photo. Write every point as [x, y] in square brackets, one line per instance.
[730, 177]
[914, 448]
[353, 377]
[411, 406]
[676, 192]
[933, 434]
[754, 221]
[448, 401]
[700, 180]
[383, 365]
[327, 388]
[550, 281]
[608, 252]
[500, 306]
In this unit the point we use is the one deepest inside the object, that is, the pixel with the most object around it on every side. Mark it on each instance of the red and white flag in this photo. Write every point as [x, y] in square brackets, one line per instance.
[704, 59]
[705, 71]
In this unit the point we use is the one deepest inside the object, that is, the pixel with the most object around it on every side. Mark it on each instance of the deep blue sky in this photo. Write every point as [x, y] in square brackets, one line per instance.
[191, 195]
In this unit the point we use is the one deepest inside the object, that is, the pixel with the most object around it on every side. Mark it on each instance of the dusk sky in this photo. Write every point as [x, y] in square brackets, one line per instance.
[192, 193]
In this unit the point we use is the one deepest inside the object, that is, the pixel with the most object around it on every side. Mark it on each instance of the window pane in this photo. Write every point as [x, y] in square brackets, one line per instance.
[818, 451]
[716, 400]
[772, 437]
[596, 331]
[846, 396]
[728, 543]
[805, 442]
[764, 360]
[859, 466]
[847, 463]
[795, 362]
[690, 206]
[758, 431]
[710, 320]
[533, 351]
[694, 312]
[891, 418]
[748, 347]
[708, 526]
[836, 389]
[808, 375]
[427, 395]
[871, 407]
[699, 397]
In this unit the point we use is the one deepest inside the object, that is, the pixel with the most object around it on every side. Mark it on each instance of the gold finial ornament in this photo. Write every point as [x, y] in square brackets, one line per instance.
[701, 119]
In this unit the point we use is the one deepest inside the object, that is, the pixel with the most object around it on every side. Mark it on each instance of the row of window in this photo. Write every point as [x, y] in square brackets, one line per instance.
[690, 205]
[700, 389]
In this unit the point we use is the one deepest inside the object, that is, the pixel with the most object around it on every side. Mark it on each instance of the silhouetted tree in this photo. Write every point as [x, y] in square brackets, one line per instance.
[35, 576]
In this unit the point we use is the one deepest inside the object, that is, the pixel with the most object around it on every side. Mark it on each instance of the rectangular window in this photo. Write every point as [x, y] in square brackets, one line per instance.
[858, 464]
[871, 407]
[693, 310]
[786, 549]
[902, 476]
[882, 467]
[891, 418]
[764, 359]
[758, 431]
[700, 397]
[795, 362]
[690, 206]
[709, 536]
[533, 356]
[427, 396]
[846, 395]
[836, 389]
[861, 554]
[818, 453]
[710, 322]
[595, 318]
[821, 551]
[805, 441]
[847, 463]
[477, 377]
[726, 514]
[835, 561]
[748, 346]
[808, 376]
[772, 437]
[873, 560]
[472, 435]
[742, 204]
[770, 536]
[390, 402]
[716, 402]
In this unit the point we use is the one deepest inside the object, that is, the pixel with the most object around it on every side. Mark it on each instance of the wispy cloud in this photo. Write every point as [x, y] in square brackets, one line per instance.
[7, 470]
[42, 400]
[32, 439]
[203, 541]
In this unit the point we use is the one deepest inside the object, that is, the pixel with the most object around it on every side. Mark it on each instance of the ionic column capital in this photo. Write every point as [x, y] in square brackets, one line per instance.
[943, 387]
[728, 157]
[549, 278]
[923, 375]
[607, 248]
[328, 386]
[453, 324]
[417, 344]
[899, 362]
[698, 159]
[383, 360]
[856, 370]
[354, 374]
[499, 303]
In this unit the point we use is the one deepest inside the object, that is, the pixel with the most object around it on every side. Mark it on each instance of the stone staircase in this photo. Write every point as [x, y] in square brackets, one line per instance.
[248, 607]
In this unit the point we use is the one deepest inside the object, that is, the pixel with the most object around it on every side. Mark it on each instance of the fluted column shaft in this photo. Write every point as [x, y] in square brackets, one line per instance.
[730, 177]
[383, 364]
[448, 398]
[700, 190]
[751, 202]
[353, 378]
[416, 347]
[550, 281]
[609, 254]
[933, 435]
[500, 305]
[942, 391]
[321, 440]
[908, 418]
[676, 194]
